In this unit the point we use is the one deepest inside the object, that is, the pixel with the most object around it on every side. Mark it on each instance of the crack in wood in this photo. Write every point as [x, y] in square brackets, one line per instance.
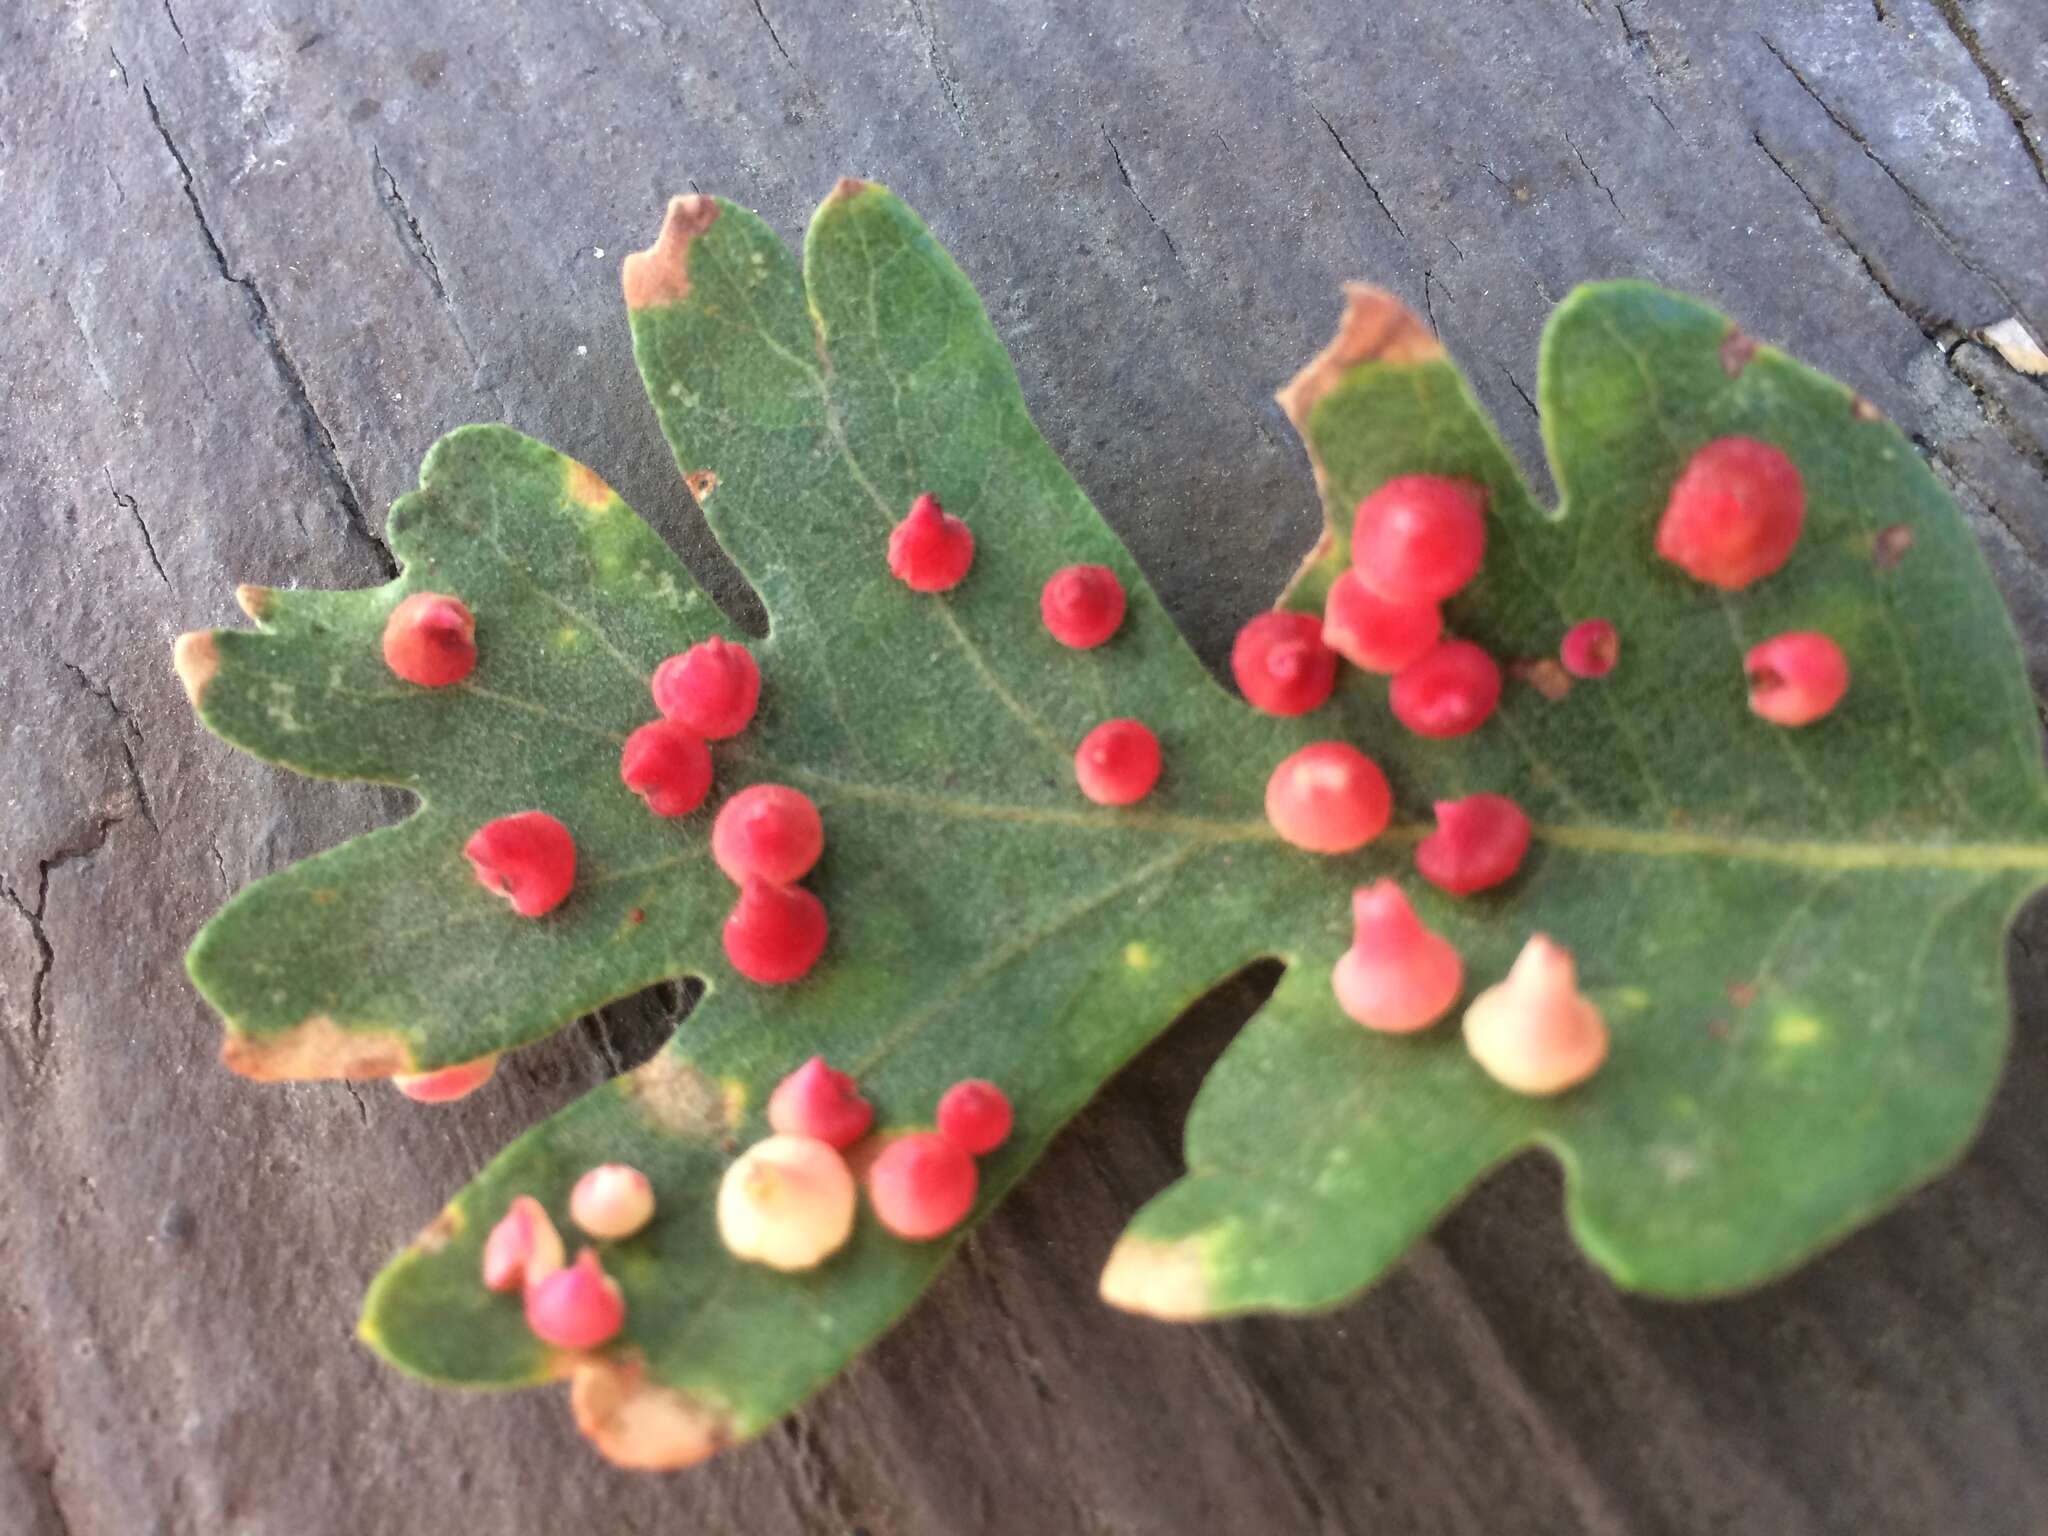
[1587, 166]
[1345, 150]
[1431, 281]
[773, 36]
[39, 1033]
[131, 737]
[128, 504]
[2001, 94]
[934, 56]
[405, 222]
[1131, 187]
[327, 456]
[1921, 210]
[1925, 324]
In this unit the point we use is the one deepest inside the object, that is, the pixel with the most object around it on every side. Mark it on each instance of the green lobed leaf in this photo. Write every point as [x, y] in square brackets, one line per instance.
[1849, 885]
[1795, 936]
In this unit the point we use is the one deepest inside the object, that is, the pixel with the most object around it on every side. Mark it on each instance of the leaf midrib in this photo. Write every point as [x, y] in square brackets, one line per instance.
[1582, 837]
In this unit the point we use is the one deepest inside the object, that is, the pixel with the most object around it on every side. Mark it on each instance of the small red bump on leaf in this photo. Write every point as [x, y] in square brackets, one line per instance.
[523, 1247]
[1449, 692]
[612, 1200]
[579, 1307]
[1479, 842]
[821, 1103]
[776, 932]
[1734, 514]
[1281, 664]
[711, 688]
[430, 639]
[1419, 538]
[1082, 605]
[1117, 763]
[1796, 678]
[975, 1116]
[1590, 648]
[1533, 1032]
[922, 1185]
[931, 549]
[1397, 976]
[1328, 798]
[667, 764]
[1374, 634]
[449, 1083]
[767, 832]
[529, 859]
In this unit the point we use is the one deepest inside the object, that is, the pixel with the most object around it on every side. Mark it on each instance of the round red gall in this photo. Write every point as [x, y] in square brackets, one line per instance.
[1590, 648]
[767, 832]
[1479, 842]
[1117, 763]
[1328, 798]
[611, 1201]
[931, 549]
[1281, 664]
[430, 640]
[712, 688]
[922, 1185]
[1796, 678]
[1374, 634]
[1398, 976]
[1420, 538]
[1735, 513]
[975, 1116]
[448, 1083]
[529, 859]
[821, 1103]
[1449, 692]
[1082, 605]
[1535, 1032]
[775, 933]
[579, 1307]
[667, 765]
[787, 1202]
[523, 1248]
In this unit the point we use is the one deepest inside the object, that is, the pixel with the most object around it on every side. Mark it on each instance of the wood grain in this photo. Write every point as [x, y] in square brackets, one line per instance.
[261, 252]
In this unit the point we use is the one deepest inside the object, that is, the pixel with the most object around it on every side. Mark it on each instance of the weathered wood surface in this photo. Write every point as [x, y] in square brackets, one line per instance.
[258, 253]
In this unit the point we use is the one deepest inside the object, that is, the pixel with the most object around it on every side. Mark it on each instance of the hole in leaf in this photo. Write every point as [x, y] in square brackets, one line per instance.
[626, 1033]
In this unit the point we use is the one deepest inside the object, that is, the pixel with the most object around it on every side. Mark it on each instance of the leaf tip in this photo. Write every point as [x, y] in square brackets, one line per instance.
[661, 274]
[847, 188]
[441, 1231]
[255, 601]
[195, 658]
[586, 487]
[1738, 348]
[640, 1425]
[1166, 1280]
[1377, 327]
[315, 1047]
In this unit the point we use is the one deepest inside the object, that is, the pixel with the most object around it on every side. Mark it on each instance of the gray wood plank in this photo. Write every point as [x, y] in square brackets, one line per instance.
[261, 252]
